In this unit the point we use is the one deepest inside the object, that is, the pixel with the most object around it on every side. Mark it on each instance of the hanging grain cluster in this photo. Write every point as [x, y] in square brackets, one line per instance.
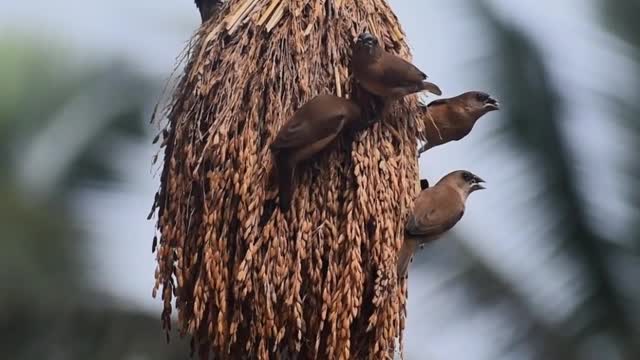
[247, 280]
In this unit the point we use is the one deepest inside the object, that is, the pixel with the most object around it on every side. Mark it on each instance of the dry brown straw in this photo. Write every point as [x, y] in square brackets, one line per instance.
[248, 281]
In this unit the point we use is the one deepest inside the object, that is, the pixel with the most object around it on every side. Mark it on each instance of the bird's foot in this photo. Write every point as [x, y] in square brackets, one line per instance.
[423, 149]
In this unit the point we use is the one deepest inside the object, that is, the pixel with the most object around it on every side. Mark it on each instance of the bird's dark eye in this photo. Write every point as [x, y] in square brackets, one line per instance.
[482, 97]
[467, 176]
[367, 39]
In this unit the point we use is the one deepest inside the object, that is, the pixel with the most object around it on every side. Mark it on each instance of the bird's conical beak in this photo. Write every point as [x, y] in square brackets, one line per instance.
[477, 185]
[491, 104]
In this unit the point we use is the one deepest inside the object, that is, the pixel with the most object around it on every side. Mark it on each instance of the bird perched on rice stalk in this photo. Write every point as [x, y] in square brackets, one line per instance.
[454, 118]
[384, 74]
[311, 129]
[435, 211]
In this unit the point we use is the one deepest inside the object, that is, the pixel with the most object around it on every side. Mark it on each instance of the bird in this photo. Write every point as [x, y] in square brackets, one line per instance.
[435, 211]
[311, 129]
[452, 119]
[384, 74]
[208, 8]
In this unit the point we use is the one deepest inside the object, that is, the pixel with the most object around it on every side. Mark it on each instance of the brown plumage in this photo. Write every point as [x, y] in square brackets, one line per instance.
[311, 128]
[435, 211]
[384, 74]
[208, 8]
[454, 117]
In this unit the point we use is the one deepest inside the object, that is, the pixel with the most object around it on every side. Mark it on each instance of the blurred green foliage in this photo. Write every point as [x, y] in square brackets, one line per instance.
[60, 123]
[620, 17]
[534, 116]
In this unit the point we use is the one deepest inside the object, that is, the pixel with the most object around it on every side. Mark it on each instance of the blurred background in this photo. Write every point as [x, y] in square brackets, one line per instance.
[544, 265]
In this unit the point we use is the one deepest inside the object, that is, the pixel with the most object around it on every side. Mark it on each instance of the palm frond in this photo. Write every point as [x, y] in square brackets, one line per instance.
[534, 112]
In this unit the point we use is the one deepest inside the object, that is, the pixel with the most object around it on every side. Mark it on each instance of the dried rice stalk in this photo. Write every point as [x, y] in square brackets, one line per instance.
[318, 282]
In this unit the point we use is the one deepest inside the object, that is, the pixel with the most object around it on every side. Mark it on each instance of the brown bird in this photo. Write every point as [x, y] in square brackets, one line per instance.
[311, 128]
[454, 118]
[384, 74]
[435, 211]
[208, 8]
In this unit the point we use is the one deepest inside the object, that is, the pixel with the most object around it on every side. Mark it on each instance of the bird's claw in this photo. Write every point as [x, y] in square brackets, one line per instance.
[423, 149]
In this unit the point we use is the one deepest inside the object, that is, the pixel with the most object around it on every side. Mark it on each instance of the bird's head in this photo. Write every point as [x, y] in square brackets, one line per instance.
[367, 40]
[479, 103]
[464, 182]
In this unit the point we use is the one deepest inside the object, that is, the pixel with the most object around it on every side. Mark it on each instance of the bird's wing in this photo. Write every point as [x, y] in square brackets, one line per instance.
[302, 130]
[436, 210]
[396, 72]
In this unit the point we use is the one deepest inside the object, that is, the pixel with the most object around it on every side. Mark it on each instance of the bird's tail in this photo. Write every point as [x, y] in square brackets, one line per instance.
[285, 183]
[404, 256]
[431, 87]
